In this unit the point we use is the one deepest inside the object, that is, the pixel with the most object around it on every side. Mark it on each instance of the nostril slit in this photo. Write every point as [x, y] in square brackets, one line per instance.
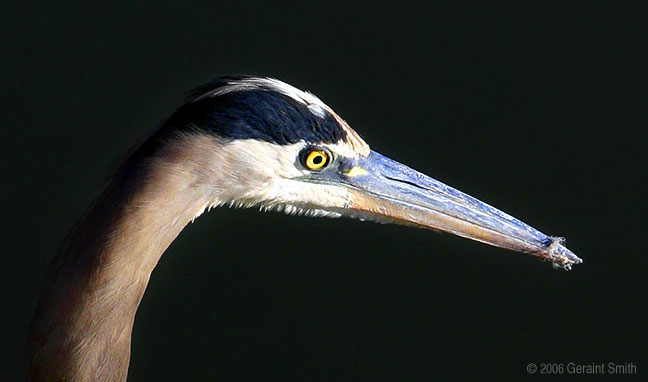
[407, 182]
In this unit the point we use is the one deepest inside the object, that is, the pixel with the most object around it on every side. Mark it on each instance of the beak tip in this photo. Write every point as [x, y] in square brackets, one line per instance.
[560, 256]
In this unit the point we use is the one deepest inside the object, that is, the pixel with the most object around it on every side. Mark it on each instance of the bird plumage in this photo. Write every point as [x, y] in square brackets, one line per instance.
[246, 107]
[239, 141]
[237, 147]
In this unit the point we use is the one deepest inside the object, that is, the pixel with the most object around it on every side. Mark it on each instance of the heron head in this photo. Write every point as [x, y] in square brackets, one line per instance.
[280, 148]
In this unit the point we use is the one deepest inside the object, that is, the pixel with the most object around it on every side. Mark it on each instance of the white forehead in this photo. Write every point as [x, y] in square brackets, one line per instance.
[315, 105]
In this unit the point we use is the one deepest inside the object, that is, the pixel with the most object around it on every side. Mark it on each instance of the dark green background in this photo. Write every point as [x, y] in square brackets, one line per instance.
[537, 109]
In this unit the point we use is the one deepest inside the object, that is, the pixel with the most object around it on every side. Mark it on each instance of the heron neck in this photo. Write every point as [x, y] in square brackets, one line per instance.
[82, 326]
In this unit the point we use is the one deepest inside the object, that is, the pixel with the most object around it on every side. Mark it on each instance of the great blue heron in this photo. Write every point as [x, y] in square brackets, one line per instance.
[240, 141]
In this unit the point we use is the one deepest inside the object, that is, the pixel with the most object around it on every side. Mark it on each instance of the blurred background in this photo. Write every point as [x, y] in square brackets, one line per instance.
[537, 109]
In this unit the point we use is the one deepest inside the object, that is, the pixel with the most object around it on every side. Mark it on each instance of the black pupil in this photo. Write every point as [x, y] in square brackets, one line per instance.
[318, 159]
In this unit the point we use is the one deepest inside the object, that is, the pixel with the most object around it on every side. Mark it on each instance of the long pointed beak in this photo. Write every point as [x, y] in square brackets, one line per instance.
[385, 190]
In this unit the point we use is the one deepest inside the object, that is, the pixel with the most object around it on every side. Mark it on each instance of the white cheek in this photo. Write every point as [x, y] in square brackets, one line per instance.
[266, 160]
[257, 173]
[287, 191]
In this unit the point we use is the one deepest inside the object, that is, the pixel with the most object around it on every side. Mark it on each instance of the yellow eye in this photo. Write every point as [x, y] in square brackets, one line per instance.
[316, 159]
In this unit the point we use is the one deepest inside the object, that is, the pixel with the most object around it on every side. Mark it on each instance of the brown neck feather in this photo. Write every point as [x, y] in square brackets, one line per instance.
[82, 326]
